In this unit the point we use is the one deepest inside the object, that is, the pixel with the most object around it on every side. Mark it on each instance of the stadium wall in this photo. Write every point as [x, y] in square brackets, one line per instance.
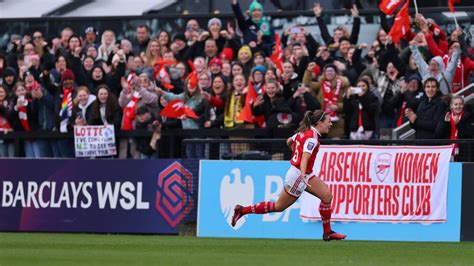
[221, 182]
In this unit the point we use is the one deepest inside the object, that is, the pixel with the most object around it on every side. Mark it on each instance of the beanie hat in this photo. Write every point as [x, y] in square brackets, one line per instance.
[255, 5]
[216, 61]
[227, 54]
[244, 48]
[214, 20]
[68, 74]
[9, 71]
[333, 66]
[259, 68]
[179, 36]
[413, 77]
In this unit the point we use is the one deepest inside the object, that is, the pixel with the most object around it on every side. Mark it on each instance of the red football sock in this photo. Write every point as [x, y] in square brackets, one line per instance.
[259, 208]
[325, 211]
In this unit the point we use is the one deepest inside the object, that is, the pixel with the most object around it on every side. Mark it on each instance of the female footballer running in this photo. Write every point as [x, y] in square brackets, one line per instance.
[300, 177]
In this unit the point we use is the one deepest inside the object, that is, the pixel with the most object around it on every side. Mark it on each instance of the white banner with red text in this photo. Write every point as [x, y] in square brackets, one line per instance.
[382, 183]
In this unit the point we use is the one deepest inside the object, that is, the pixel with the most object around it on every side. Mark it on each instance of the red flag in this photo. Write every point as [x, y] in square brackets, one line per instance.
[177, 108]
[277, 56]
[246, 114]
[162, 72]
[389, 6]
[401, 25]
[451, 4]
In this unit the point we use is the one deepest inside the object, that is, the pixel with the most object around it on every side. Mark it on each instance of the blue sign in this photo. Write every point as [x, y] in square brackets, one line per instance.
[223, 184]
[103, 196]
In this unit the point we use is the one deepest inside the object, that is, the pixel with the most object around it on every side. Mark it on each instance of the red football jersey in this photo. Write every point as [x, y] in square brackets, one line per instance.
[307, 141]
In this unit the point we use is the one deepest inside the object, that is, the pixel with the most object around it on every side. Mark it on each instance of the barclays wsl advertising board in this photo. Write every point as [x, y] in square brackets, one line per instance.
[223, 184]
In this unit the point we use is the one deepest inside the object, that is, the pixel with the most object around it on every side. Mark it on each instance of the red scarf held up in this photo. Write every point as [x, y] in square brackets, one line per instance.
[402, 113]
[24, 118]
[454, 131]
[129, 112]
[331, 96]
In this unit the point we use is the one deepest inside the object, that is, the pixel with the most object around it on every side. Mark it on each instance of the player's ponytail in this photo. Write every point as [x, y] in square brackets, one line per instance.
[311, 118]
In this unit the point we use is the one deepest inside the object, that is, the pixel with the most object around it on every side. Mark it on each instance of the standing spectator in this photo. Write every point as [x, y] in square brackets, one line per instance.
[153, 53]
[107, 45]
[457, 123]
[273, 107]
[408, 97]
[330, 91]
[90, 38]
[10, 77]
[106, 110]
[142, 37]
[333, 42]
[235, 102]
[63, 109]
[429, 112]
[257, 31]
[6, 146]
[147, 146]
[436, 68]
[217, 99]
[302, 101]
[83, 107]
[362, 105]
[25, 117]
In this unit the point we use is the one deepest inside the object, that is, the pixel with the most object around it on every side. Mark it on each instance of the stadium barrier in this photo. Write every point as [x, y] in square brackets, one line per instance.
[98, 196]
[226, 183]
[241, 147]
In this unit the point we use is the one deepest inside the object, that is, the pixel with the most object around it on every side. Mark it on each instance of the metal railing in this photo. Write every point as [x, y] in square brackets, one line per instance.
[276, 149]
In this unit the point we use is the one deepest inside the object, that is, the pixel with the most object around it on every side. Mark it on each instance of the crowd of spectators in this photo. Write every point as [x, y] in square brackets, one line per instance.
[235, 75]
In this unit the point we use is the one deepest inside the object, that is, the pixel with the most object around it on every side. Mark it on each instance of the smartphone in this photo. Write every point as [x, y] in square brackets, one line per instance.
[295, 30]
[355, 90]
[21, 98]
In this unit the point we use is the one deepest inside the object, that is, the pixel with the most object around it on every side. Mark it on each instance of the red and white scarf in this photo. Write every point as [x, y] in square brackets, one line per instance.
[454, 131]
[23, 116]
[331, 97]
[129, 111]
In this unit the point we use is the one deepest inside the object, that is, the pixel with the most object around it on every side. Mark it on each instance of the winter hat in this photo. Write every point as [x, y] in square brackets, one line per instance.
[244, 48]
[413, 77]
[179, 36]
[439, 61]
[9, 71]
[214, 20]
[227, 54]
[216, 61]
[126, 43]
[255, 5]
[333, 66]
[259, 68]
[68, 74]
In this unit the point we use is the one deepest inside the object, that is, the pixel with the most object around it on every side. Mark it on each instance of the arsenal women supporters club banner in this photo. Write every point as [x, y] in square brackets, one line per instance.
[383, 184]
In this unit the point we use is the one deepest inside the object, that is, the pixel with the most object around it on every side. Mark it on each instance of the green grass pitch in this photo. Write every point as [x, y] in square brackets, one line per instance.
[90, 249]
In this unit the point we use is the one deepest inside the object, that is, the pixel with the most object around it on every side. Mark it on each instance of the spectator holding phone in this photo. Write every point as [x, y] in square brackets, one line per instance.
[362, 105]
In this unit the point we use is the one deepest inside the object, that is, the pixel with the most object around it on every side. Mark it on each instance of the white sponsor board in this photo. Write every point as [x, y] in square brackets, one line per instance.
[382, 184]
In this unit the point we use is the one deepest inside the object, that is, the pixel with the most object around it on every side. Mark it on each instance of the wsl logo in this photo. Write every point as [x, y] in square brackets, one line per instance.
[233, 192]
[174, 197]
